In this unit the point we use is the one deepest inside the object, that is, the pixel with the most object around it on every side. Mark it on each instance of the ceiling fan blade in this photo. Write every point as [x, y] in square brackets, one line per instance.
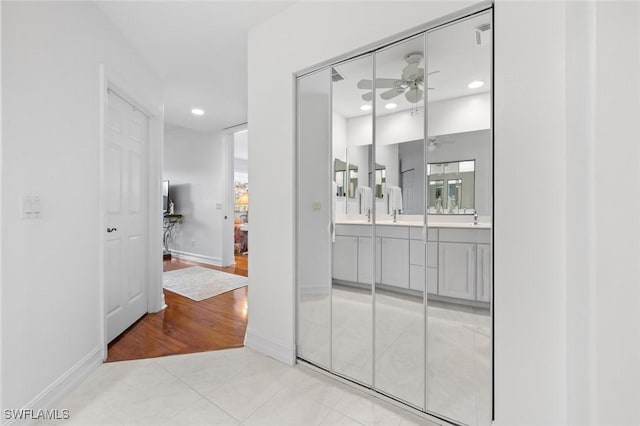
[385, 83]
[389, 94]
[367, 96]
[365, 84]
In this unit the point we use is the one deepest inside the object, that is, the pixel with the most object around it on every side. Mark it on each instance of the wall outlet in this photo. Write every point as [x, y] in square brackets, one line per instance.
[193, 243]
[316, 206]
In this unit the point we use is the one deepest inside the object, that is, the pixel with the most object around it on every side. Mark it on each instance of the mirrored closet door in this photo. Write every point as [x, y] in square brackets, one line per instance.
[394, 219]
[399, 197]
[353, 249]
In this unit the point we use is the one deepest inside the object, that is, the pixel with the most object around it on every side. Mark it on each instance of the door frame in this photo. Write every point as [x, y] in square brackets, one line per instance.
[228, 154]
[110, 79]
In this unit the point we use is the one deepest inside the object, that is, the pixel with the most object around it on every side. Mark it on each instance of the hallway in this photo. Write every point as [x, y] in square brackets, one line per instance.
[229, 387]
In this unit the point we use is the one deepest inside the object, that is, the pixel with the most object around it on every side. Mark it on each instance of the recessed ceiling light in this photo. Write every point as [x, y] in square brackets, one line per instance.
[197, 111]
[390, 105]
[365, 107]
[476, 84]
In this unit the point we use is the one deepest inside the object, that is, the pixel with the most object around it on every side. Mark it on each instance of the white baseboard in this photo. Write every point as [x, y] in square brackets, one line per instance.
[195, 257]
[51, 396]
[276, 350]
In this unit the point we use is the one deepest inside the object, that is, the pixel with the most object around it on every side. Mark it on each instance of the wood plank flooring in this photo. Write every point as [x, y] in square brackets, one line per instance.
[187, 326]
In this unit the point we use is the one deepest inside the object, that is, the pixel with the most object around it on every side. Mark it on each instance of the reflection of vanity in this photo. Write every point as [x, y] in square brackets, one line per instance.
[458, 258]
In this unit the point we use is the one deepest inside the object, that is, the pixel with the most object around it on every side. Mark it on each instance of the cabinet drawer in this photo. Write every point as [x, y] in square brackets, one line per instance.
[432, 255]
[354, 230]
[415, 232]
[432, 234]
[416, 253]
[465, 235]
[392, 231]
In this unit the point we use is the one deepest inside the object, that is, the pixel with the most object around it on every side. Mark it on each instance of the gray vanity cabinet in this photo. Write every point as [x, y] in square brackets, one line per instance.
[345, 252]
[464, 264]
[483, 273]
[457, 270]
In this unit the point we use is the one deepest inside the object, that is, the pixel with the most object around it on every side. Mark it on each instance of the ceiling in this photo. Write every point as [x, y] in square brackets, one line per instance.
[199, 49]
[451, 50]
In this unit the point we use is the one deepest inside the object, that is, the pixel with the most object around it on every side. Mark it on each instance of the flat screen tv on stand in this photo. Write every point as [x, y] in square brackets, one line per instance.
[165, 196]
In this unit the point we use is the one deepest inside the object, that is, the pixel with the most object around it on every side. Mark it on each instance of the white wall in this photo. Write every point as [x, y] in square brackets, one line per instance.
[458, 115]
[50, 140]
[566, 269]
[193, 163]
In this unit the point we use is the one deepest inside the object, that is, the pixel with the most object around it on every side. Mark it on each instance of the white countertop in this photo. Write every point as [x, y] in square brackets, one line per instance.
[431, 224]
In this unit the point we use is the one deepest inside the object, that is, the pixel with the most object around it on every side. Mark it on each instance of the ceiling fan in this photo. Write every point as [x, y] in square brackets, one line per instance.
[435, 142]
[410, 83]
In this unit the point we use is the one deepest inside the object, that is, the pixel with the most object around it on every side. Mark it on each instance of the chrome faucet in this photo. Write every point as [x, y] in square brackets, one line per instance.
[475, 218]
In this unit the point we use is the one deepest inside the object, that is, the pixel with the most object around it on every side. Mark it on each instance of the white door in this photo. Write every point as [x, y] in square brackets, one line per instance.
[126, 138]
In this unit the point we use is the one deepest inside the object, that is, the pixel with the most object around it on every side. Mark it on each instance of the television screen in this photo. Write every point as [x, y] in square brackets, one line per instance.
[165, 196]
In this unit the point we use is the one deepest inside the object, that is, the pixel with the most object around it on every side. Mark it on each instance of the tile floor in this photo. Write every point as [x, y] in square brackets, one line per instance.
[226, 387]
[458, 349]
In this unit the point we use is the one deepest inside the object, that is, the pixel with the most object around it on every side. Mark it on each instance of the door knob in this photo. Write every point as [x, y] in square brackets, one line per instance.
[111, 229]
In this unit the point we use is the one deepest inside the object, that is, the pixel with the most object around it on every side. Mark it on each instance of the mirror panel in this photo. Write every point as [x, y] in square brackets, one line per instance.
[352, 273]
[400, 177]
[459, 168]
[314, 207]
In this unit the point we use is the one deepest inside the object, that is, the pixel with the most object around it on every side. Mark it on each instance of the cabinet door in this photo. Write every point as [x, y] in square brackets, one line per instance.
[365, 260]
[483, 273]
[395, 262]
[345, 258]
[416, 277]
[457, 270]
[432, 280]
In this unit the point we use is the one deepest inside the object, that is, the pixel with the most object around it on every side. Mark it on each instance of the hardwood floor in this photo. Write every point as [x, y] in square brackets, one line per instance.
[187, 326]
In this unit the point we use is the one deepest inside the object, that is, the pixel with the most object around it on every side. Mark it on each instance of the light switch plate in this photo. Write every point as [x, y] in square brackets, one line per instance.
[30, 207]
[316, 206]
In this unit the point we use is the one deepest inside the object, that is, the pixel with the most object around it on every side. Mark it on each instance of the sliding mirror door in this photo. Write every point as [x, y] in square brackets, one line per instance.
[352, 272]
[314, 212]
[459, 173]
[400, 74]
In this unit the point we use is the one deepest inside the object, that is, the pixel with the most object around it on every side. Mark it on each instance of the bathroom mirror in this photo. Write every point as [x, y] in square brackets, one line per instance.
[458, 195]
[340, 176]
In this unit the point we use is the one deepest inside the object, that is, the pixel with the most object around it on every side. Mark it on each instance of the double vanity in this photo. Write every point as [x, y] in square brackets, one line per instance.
[457, 264]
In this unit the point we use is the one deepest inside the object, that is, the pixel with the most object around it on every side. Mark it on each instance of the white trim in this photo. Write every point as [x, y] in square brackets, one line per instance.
[1, 197]
[111, 79]
[195, 257]
[276, 350]
[51, 396]
[228, 164]
[228, 207]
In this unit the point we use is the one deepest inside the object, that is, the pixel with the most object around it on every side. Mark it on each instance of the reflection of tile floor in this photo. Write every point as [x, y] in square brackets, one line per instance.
[227, 387]
[459, 349]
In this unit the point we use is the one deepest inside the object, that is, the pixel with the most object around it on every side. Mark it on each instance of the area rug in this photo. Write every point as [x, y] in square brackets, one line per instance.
[199, 283]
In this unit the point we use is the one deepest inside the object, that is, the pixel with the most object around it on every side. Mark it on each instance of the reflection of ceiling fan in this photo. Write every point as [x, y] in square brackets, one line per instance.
[435, 142]
[411, 83]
